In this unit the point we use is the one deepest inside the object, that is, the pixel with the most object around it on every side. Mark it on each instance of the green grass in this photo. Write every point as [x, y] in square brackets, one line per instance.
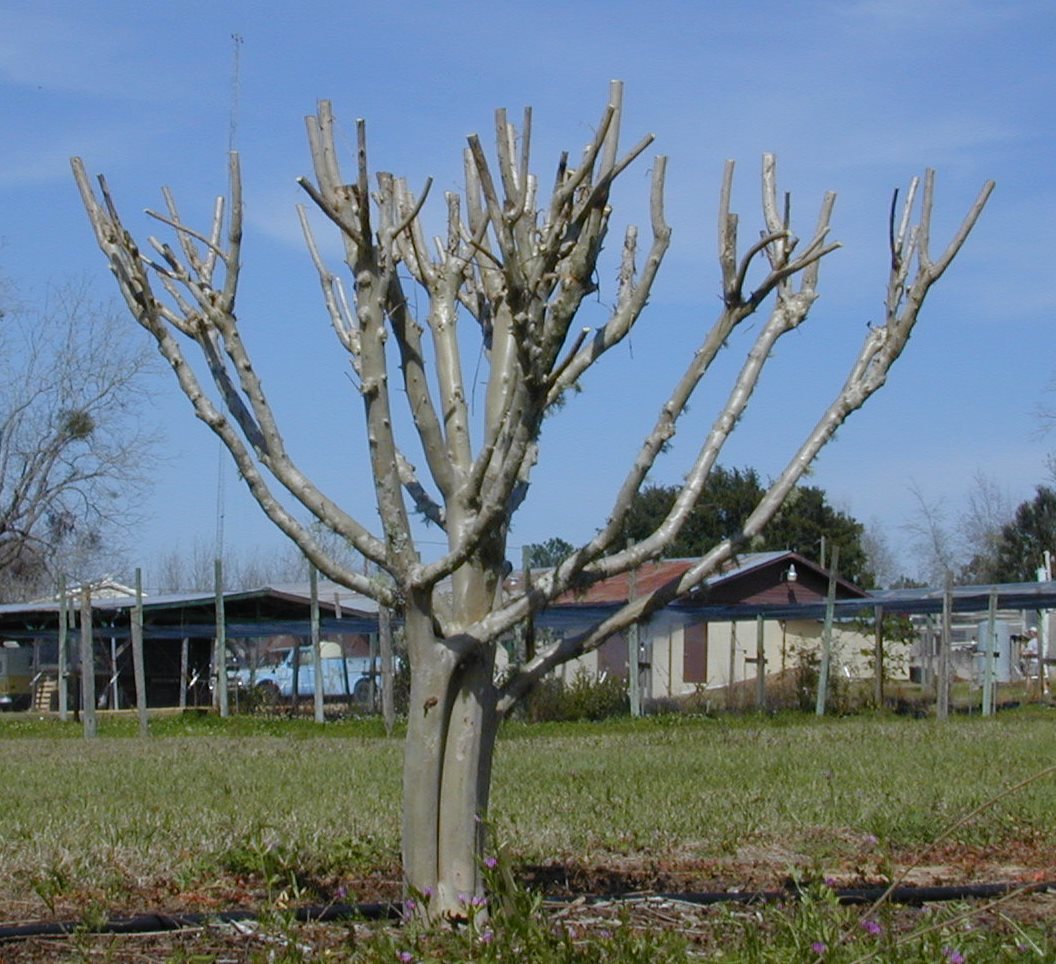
[246, 809]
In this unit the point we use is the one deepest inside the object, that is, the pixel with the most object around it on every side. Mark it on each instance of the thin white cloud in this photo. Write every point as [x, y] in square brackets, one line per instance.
[60, 53]
[945, 141]
[957, 16]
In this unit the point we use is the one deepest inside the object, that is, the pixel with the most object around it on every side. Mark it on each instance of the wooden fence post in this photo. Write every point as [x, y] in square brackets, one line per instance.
[63, 654]
[942, 695]
[388, 704]
[634, 695]
[826, 637]
[317, 644]
[185, 669]
[760, 663]
[878, 657]
[87, 666]
[138, 669]
[528, 651]
[988, 660]
[220, 647]
[732, 678]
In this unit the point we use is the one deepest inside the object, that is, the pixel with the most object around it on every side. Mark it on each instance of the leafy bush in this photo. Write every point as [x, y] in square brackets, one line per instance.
[808, 672]
[586, 697]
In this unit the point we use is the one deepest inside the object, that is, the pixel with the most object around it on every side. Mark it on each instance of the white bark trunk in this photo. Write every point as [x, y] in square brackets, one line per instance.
[447, 768]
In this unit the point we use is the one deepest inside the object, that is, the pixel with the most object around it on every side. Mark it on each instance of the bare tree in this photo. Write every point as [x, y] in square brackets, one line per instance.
[520, 268]
[180, 570]
[989, 509]
[74, 450]
[964, 546]
[933, 538]
[879, 554]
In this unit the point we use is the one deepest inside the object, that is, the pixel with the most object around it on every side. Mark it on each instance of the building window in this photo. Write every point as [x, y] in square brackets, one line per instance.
[695, 653]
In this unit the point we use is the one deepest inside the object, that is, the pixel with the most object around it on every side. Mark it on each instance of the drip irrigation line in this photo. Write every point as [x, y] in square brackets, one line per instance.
[844, 895]
[159, 923]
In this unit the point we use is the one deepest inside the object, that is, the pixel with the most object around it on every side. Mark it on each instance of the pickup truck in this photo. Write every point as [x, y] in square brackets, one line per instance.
[16, 670]
[343, 677]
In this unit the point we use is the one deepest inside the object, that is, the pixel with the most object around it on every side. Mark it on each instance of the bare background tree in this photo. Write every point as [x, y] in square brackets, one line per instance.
[966, 546]
[518, 267]
[882, 561]
[180, 570]
[75, 451]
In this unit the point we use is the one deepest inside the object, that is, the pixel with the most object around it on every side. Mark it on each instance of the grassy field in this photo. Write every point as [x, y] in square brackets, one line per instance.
[209, 814]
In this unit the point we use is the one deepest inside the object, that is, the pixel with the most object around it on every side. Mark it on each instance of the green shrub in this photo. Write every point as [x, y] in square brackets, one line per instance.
[586, 697]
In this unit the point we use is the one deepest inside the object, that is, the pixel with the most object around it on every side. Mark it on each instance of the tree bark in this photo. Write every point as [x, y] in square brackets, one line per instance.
[451, 733]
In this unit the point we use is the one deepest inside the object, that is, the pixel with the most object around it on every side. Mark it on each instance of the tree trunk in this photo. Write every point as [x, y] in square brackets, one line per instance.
[447, 763]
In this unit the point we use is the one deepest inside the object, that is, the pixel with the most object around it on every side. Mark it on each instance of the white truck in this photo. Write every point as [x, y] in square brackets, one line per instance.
[343, 677]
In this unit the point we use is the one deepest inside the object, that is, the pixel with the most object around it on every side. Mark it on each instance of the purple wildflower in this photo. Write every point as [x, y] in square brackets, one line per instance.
[953, 955]
[405, 956]
[486, 937]
[819, 947]
[871, 927]
[478, 901]
[341, 893]
[491, 863]
[410, 905]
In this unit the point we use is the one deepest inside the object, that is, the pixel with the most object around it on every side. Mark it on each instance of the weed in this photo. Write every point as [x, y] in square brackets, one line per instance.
[52, 884]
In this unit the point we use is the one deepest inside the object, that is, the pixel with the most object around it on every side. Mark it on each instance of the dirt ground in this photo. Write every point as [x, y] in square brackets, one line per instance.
[585, 896]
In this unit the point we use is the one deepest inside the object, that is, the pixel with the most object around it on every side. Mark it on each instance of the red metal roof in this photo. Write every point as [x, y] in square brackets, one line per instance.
[751, 578]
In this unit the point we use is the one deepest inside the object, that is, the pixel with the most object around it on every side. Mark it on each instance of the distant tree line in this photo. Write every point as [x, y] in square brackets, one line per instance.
[807, 524]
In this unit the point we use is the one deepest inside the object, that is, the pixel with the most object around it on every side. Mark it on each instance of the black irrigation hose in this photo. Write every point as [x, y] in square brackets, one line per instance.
[159, 923]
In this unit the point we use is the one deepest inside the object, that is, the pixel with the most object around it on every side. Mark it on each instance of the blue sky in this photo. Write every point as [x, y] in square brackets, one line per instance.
[856, 96]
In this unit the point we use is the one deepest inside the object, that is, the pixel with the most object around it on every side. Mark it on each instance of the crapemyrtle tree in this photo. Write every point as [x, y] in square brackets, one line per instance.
[517, 265]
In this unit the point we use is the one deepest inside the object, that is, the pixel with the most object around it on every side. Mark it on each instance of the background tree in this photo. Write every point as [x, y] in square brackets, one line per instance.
[518, 267]
[182, 570]
[75, 451]
[965, 546]
[1021, 546]
[546, 555]
[988, 512]
[880, 557]
[806, 522]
